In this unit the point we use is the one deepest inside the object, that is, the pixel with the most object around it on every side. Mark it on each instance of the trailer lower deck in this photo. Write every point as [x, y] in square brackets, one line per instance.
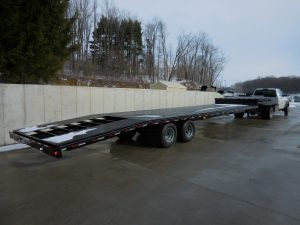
[66, 135]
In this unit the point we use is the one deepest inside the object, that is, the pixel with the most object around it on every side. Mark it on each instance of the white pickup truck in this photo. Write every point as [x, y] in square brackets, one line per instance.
[268, 101]
[275, 97]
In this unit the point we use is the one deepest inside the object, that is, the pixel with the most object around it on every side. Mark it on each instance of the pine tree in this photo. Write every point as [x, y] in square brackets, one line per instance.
[35, 39]
[117, 45]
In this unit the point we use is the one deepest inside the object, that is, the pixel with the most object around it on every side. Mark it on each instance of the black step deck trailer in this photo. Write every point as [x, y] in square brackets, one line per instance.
[66, 135]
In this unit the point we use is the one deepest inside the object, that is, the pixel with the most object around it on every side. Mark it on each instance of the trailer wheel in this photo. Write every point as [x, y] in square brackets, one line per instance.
[239, 115]
[126, 136]
[267, 113]
[168, 135]
[186, 131]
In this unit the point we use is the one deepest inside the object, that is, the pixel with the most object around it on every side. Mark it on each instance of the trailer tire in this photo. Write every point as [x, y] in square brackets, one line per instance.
[126, 136]
[186, 131]
[168, 135]
[239, 115]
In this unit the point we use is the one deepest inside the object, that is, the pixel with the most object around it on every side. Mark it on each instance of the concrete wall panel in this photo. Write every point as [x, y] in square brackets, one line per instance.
[194, 97]
[181, 99]
[176, 99]
[120, 100]
[162, 99]
[83, 102]
[68, 102]
[198, 98]
[109, 100]
[155, 99]
[205, 98]
[34, 105]
[138, 99]
[129, 100]
[97, 100]
[191, 97]
[14, 109]
[2, 136]
[170, 99]
[148, 99]
[53, 102]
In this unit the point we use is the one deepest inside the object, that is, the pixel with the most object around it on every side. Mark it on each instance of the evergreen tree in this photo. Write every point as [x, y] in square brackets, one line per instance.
[35, 39]
[117, 45]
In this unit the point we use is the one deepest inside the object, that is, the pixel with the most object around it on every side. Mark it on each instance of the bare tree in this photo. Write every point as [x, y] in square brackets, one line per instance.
[183, 48]
[162, 51]
[150, 35]
[197, 59]
[81, 35]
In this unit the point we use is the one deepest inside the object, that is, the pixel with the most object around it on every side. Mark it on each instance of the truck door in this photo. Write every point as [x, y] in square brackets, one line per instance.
[281, 99]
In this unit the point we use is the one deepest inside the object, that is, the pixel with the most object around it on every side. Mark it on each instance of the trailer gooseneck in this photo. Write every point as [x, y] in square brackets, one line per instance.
[164, 126]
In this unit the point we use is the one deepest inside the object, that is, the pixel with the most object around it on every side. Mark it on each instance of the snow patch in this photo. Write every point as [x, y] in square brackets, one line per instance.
[67, 137]
[35, 128]
[149, 116]
[222, 106]
[14, 147]
[294, 104]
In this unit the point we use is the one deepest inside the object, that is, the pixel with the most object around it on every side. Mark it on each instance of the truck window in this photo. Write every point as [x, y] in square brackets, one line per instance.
[279, 92]
[265, 93]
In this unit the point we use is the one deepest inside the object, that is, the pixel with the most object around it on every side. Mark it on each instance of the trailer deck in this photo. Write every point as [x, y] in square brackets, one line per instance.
[66, 135]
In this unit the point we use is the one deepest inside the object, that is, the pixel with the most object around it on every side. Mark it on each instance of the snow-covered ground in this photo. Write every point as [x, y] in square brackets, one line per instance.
[294, 104]
[7, 148]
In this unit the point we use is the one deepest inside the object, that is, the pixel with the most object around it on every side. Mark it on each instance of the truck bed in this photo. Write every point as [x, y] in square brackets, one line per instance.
[246, 100]
[53, 138]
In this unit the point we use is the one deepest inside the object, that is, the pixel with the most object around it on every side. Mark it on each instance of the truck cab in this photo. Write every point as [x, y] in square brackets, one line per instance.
[275, 97]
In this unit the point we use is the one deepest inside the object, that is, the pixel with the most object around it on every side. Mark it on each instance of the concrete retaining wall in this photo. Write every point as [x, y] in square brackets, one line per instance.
[28, 105]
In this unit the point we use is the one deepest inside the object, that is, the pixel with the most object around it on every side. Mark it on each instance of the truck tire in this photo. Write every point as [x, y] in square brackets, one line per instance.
[168, 135]
[239, 115]
[186, 131]
[286, 111]
[267, 113]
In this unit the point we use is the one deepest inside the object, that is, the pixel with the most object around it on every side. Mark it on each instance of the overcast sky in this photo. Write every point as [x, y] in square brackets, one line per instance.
[258, 37]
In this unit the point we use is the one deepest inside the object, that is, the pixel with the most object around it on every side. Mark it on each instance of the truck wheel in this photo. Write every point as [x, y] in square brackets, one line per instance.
[267, 113]
[126, 136]
[168, 135]
[239, 115]
[186, 131]
[286, 110]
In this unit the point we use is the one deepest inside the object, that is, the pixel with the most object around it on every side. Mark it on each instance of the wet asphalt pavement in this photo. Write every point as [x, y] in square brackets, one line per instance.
[235, 171]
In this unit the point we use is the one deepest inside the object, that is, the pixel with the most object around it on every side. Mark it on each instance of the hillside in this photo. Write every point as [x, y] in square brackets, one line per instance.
[289, 84]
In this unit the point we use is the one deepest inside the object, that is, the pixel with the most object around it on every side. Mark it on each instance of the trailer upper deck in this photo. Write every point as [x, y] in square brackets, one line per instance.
[53, 138]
